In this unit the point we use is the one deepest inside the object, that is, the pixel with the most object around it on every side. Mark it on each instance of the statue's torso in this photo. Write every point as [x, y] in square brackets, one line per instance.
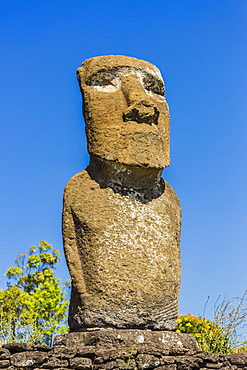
[128, 251]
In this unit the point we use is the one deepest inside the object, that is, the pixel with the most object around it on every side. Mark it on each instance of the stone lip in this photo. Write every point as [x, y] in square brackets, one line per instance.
[165, 341]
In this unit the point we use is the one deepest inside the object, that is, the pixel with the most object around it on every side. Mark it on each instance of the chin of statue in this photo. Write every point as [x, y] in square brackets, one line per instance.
[133, 149]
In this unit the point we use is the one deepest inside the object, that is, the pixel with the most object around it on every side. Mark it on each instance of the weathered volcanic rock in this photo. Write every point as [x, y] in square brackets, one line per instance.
[111, 342]
[121, 220]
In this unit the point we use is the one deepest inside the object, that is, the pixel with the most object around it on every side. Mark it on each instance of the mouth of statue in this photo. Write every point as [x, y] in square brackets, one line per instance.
[142, 127]
[149, 123]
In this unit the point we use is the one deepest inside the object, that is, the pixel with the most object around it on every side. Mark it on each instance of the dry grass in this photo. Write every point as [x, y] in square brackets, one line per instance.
[231, 315]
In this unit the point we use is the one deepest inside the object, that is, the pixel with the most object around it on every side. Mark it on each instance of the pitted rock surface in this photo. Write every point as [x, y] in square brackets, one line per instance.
[165, 342]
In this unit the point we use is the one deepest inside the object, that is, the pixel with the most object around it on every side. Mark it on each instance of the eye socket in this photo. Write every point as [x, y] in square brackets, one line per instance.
[153, 85]
[104, 81]
[101, 82]
[101, 78]
[153, 89]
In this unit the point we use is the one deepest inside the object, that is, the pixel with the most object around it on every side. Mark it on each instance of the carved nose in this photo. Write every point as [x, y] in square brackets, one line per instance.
[140, 108]
[142, 112]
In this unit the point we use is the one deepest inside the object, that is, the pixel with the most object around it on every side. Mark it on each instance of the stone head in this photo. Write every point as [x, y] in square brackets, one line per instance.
[126, 114]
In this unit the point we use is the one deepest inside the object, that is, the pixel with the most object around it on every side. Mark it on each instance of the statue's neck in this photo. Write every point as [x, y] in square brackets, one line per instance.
[140, 183]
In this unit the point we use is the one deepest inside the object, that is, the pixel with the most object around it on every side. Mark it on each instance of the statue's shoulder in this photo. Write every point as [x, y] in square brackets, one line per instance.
[170, 195]
[78, 183]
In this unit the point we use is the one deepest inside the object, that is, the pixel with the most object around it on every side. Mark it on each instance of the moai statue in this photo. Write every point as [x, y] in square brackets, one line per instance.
[121, 220]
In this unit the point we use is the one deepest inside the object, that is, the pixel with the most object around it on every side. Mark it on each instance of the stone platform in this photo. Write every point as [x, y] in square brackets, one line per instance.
[164, 342]
[112, 349]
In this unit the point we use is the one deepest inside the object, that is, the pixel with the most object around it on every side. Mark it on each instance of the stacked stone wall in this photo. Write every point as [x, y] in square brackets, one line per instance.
[118, 350]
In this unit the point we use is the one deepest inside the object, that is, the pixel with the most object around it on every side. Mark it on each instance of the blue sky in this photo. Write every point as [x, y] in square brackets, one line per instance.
[201, 50]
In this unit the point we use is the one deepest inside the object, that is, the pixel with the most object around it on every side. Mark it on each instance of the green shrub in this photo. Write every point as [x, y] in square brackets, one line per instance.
[33, 308]
[209, 335]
